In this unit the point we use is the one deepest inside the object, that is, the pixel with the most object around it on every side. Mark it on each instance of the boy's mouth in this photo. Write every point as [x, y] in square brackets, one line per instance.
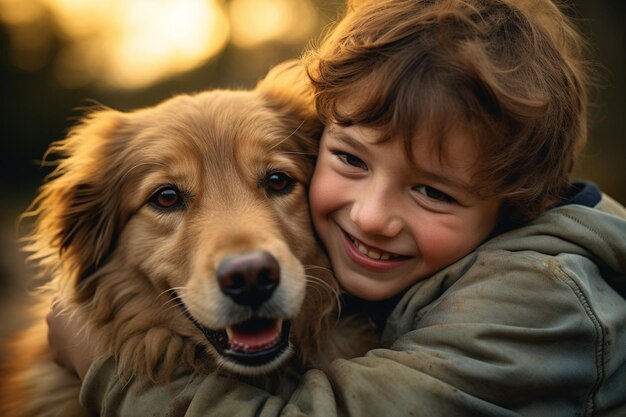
[373, 253]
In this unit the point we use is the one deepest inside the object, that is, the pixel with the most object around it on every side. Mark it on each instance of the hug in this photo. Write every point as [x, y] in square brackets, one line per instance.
[387, 226]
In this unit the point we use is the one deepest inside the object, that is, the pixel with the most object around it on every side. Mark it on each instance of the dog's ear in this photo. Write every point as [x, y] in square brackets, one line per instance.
[288, 89]
[76, 212]
[288, 85]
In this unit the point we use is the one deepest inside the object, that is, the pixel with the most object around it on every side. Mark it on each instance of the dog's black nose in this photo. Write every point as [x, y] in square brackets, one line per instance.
[249, 278]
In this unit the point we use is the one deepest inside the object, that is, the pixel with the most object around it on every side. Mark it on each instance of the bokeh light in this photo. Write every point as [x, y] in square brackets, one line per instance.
[255, 22]
[130, 44]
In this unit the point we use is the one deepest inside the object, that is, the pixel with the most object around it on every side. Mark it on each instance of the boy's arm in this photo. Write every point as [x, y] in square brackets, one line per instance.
[362, 387]
[525, 341]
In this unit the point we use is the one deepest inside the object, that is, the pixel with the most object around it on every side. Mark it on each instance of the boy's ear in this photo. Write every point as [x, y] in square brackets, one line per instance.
[288, 89]
[76, 212]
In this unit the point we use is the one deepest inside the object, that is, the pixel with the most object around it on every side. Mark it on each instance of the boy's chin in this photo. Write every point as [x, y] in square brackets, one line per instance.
[367, 288]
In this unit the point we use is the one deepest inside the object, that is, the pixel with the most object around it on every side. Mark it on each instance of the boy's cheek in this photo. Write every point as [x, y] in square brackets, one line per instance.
[443, 244]
[321, 204]
[324, 192]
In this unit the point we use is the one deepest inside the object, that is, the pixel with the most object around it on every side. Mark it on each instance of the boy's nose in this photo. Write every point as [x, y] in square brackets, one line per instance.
[375, 215]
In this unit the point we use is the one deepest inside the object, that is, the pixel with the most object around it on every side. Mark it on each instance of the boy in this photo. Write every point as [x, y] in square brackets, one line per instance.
[443, 185]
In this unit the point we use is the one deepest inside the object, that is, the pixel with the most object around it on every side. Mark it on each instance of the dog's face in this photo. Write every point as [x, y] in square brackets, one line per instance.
[218, 194]
[189, 221]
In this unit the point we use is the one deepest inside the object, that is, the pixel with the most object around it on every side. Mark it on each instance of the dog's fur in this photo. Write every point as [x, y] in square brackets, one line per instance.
[142, 279]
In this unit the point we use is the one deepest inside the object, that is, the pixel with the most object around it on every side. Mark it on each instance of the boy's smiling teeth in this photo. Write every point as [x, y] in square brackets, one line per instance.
[371, 252]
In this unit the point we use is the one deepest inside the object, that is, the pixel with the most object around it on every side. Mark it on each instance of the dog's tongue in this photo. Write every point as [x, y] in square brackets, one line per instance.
[254, 335]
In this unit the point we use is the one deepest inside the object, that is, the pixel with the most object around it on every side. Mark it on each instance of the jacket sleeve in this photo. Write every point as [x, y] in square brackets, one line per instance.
[524, 341]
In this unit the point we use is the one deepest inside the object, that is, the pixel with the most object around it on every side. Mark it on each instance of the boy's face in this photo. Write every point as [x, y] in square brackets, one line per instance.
[387, 223]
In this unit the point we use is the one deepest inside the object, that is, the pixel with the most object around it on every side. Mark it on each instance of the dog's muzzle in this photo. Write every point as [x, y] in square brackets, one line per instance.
[249, 279]
[255, 342]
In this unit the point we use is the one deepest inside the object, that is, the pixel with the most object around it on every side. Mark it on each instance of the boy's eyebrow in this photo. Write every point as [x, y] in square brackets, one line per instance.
[451, 181]
[345, 137]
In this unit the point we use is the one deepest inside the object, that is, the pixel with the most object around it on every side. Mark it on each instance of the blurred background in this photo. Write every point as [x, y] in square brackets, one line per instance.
[57, 56]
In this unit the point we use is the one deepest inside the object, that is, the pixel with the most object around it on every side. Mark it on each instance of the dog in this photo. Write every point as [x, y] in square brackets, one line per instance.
[179, 236]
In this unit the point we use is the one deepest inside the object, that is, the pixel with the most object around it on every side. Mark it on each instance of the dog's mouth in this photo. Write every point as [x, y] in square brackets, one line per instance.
[255, 342]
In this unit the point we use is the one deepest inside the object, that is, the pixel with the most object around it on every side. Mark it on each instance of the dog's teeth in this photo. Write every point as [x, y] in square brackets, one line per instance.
[229, 332]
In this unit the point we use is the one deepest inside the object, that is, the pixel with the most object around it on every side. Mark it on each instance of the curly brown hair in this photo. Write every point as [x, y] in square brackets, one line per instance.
[511, 72]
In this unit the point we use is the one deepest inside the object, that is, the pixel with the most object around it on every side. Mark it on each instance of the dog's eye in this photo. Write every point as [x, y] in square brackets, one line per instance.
[167, 198]
[278, 183]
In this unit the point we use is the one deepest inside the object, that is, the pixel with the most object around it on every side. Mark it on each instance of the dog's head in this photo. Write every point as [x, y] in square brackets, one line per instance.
[186, 225]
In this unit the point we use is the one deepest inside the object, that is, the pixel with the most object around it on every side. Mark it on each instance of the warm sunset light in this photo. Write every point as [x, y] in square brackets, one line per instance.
[134, 43]
[254, 21]
[119, 43]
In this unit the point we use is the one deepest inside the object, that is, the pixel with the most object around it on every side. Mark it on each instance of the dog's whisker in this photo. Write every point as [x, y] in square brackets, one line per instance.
[318, 283]
[173, 290]
[300, 153]
[309, 271]
[170, 293]
[323, 268]
[173, 298]
[290, 135]
[167, 293]
[169, 308]
[323, 288]
[168, 303]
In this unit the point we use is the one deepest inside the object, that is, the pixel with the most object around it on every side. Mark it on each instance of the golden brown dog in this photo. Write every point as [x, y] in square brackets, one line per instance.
[179, 235]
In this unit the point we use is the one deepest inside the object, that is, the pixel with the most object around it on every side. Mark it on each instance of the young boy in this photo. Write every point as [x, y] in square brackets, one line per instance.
[443, 184]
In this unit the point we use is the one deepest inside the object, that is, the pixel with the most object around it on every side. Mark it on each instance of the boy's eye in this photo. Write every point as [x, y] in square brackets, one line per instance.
[435, 194]
[351, 160]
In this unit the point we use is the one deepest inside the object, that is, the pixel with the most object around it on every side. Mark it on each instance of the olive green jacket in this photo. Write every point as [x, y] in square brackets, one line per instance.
[528, 324]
